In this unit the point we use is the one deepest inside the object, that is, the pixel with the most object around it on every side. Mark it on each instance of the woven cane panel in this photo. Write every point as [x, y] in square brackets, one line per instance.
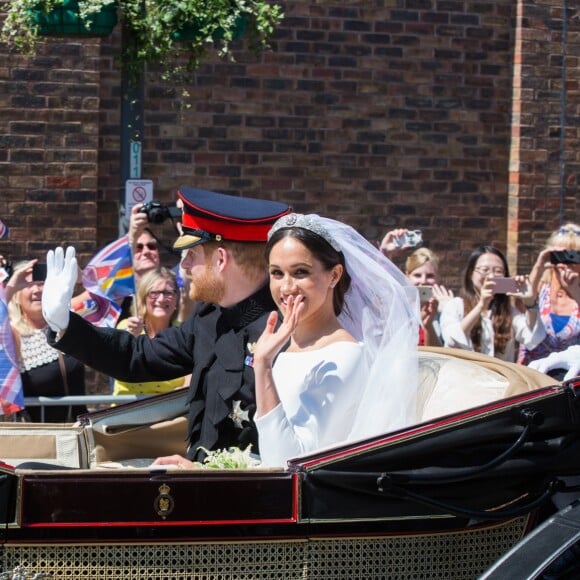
[432, 556]
[215, 561]
[428, 556]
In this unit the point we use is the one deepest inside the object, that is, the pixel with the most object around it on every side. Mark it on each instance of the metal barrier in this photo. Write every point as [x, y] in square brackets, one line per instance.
[79, 400]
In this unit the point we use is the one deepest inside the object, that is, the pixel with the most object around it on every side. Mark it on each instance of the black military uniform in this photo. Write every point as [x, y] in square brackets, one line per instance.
[215, 344]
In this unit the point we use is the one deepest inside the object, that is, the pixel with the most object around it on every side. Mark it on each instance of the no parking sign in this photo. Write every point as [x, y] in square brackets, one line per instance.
[137, 191]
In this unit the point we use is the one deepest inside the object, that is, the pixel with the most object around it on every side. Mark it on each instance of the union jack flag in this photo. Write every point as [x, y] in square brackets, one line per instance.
[99, 310]
[110, 272]
[4, 231]
[11, 395]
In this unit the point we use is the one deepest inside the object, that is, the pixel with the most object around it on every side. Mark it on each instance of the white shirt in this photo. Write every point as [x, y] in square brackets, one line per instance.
[319, 392]
[454, 337]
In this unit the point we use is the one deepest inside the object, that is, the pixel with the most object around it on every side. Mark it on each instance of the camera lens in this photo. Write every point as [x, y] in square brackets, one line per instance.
[157, 215]
[156, 212]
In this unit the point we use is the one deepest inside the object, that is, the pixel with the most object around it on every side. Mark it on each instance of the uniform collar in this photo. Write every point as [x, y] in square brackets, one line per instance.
[250, 309]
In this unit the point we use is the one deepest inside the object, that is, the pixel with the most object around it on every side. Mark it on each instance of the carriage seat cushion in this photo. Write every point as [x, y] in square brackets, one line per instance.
[452, 380]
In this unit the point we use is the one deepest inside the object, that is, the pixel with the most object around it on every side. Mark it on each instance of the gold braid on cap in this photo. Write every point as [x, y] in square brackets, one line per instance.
[309, 222]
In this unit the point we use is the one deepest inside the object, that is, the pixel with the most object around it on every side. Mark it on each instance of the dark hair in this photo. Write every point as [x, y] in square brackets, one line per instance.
[500, 305]
[323, 252]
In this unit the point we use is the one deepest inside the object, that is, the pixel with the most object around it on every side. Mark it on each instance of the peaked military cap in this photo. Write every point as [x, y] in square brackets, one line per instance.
[216, 216]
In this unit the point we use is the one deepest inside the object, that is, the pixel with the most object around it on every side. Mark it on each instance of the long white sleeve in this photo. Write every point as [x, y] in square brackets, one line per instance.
[455, 337]
[451, 330]
[319, 391]
[529, 337]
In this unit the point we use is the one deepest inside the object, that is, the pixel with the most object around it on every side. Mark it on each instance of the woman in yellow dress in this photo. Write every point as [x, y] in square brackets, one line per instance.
[157, 307]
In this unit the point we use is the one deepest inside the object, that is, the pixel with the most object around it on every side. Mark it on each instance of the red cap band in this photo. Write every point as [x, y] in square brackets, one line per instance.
[212, 215]
[239, 232]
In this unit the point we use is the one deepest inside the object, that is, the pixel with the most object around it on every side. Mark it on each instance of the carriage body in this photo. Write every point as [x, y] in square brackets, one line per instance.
[443, 498]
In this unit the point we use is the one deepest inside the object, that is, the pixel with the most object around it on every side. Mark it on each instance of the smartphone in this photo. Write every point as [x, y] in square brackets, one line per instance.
[425, 293]
[409, 239]
[39, 272]
[504, 285]
[565, 257]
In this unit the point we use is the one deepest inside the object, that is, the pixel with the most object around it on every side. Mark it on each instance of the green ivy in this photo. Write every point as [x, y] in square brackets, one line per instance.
[162, 33]
[22, 25]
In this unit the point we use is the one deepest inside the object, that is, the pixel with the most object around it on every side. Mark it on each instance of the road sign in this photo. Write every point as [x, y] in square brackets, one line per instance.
[135, 159]
[137, 191]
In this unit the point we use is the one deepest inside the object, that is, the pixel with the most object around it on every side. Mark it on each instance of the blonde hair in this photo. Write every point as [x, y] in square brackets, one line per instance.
[418, 258]
[146, 284]
[17, 319]
[566, 236]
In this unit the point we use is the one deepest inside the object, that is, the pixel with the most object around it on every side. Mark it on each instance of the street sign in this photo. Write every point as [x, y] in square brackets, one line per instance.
[135, 159]
[137, 191]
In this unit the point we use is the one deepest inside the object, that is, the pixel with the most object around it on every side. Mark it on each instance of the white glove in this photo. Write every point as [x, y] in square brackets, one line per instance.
[565, 359]
[61, 277]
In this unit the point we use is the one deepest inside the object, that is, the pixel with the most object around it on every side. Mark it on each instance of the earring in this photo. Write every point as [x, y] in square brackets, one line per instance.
[332, 284]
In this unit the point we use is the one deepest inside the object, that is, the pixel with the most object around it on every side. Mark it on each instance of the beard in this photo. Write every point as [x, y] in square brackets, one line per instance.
[206, 287]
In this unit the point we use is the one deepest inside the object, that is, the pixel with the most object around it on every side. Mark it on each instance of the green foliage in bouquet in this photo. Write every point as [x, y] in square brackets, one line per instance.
[232, 458]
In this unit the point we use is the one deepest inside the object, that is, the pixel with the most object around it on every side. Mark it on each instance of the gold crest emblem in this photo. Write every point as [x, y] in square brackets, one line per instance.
[164, 502]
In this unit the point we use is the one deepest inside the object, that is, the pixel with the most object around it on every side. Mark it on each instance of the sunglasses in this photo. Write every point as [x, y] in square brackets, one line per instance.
[563, 231]
[149, 245]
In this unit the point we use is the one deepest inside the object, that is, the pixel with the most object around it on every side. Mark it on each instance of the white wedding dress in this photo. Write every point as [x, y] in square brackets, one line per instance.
[319, 394]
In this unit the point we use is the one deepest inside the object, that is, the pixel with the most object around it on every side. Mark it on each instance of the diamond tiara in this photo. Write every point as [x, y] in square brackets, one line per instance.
[309, 222]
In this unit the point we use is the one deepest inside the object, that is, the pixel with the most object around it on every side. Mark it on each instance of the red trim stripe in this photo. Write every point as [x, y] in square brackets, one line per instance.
[160, 523]
[239, 231]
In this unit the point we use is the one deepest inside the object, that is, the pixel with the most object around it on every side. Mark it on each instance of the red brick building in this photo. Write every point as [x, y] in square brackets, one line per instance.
[457, 117]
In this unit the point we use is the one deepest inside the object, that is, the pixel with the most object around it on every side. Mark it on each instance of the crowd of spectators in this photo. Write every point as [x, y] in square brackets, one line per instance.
[537, 317]
[161, 300]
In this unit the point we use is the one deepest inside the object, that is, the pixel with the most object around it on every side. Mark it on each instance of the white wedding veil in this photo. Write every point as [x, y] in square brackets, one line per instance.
[382, 311]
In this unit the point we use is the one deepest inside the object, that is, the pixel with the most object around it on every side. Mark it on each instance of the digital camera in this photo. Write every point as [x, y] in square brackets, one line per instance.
[565, 257]
[409, 239]
[158, 212]
[39, 272]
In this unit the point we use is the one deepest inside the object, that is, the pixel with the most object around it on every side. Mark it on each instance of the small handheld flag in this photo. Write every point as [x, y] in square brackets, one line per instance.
[99, 311]
[11, 394]
[110, 272]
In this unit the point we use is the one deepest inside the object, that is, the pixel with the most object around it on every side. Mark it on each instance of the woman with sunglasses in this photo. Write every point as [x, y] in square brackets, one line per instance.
[147, 257]
[556, 288]
[487, 321]
[157, 308]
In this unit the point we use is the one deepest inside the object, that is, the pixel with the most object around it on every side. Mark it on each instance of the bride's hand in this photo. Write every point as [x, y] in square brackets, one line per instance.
[272, 340]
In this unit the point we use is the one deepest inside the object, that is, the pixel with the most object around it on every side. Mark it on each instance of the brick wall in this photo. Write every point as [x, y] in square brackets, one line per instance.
[49, 139]
[382, 114]
[545, 157]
